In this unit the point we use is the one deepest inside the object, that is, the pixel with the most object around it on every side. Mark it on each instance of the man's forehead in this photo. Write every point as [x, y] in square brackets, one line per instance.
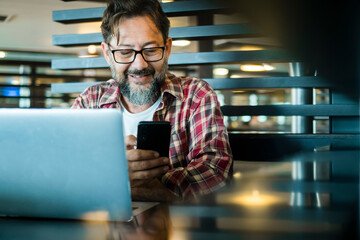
[137, 29]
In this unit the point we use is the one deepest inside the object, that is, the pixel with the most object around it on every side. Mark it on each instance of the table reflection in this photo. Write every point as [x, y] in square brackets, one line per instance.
[309, 195]
[306, 196]
[152, 224]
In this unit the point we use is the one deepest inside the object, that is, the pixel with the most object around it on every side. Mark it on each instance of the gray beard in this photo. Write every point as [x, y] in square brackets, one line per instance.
[137, 96]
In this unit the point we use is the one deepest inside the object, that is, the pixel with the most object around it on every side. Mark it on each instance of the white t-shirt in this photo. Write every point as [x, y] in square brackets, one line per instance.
[131, 120]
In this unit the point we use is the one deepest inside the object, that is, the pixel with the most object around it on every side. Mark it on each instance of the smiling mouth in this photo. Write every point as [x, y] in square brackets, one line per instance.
[140, 79]
[139, 76]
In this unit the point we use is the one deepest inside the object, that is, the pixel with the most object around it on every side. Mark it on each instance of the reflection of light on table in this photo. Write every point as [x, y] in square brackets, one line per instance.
[96, 216]
[255, 199]
[237, 175]
[273, 225]
[252, 199]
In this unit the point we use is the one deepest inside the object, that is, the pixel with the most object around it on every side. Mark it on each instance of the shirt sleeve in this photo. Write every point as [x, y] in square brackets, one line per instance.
[209, 157]
[79, 103]
[89, 98]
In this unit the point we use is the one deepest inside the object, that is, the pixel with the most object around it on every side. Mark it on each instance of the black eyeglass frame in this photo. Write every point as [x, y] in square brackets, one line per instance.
[136, 53]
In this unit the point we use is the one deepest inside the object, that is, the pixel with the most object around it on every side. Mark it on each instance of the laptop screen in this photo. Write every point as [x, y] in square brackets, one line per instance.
[58, 163]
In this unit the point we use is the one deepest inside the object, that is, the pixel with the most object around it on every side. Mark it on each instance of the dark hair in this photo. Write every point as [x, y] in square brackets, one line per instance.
[119, 9]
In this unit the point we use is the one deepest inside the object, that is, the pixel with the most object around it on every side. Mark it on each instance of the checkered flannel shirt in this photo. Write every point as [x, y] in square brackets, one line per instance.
[200, 155]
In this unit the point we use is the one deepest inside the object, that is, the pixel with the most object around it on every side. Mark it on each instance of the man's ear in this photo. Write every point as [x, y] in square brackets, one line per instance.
[105, 48]
[168, 46]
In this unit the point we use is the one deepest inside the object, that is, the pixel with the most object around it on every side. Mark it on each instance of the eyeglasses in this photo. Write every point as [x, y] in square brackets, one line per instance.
[153, 54]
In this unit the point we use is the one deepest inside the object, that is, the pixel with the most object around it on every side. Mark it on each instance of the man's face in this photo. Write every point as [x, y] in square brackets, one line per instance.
[139, 81]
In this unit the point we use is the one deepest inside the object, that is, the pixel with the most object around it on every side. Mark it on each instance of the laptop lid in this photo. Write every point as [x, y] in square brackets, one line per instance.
[58, 163]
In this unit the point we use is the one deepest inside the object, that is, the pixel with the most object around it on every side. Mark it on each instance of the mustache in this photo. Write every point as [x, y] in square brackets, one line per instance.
[144, 71]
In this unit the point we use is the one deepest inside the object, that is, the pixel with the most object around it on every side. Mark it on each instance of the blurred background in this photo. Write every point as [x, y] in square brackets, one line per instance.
[26, 51]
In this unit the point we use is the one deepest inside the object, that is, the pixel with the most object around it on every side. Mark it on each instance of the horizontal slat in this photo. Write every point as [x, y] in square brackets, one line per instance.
[77, 87]
[268, 82]
[30, 97]
[25, 86]
[69, 40]
[183, 8]
[64, 77]
[212, 31]
[228, 57]
[222, 83]
[184, 59]
[79, 63]
[78, 15]
[292, 110]
[265, 147]
[189, 33]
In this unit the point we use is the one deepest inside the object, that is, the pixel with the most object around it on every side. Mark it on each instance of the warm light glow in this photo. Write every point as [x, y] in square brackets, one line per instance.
[87, 56]
[250, 48]
[235, 76]
[268, 67]
[96, 216]
[237, 175]
[165, 1]
[2, 54]
[15, 82]
[256, 67]
[221, 71]
[252, 68]
[181, 43]
[92, 49]
[255, 199]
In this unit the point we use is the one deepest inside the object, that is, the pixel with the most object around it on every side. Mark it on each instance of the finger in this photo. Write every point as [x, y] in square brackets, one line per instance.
[147, 164]
[136, 183]
[130, 141]
[139, 155]
[149, 174]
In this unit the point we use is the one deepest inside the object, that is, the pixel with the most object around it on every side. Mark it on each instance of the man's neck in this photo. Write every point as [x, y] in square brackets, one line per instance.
[133, 108]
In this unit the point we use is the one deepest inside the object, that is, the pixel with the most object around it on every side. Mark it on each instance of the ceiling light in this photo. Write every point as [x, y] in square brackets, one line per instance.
[2, 54]
[235, 76]
[246, 118]
[166, 1]
[181, 43]
[268, 67]
[256, 67]
[87, 56]
[221, 71]
[252, 68]
[92, 49]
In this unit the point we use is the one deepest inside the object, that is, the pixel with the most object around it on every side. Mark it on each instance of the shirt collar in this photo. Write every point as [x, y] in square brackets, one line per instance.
[111, 95]
[173, 86]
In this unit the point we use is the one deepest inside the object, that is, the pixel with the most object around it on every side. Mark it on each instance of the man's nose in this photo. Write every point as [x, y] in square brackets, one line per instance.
[139, 62]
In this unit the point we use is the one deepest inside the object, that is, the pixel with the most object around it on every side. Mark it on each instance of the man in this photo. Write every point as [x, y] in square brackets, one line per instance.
[137, 47]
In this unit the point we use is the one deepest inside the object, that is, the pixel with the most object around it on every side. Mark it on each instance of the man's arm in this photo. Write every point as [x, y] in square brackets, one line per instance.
[209, 157]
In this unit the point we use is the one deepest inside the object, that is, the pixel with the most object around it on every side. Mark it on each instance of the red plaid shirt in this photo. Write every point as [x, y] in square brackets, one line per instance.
[200, 154]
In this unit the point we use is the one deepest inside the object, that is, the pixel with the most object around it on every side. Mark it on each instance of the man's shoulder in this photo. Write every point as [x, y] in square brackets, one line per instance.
[188, 82]
[101, 87]
[195, 86]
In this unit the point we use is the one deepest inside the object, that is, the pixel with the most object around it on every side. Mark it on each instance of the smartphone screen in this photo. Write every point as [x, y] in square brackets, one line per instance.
[154, 136]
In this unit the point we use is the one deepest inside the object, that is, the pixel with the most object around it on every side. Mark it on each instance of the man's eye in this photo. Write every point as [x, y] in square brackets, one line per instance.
[151, 51]
[126, 53]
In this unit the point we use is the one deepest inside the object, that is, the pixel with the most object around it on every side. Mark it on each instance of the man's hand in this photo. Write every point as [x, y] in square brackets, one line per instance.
[144, 165]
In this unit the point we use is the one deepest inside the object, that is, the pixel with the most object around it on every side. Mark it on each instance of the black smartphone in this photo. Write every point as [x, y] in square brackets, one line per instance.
[154, 136]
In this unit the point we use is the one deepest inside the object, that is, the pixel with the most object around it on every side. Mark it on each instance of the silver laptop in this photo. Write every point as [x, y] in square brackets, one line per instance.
[63, 164]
